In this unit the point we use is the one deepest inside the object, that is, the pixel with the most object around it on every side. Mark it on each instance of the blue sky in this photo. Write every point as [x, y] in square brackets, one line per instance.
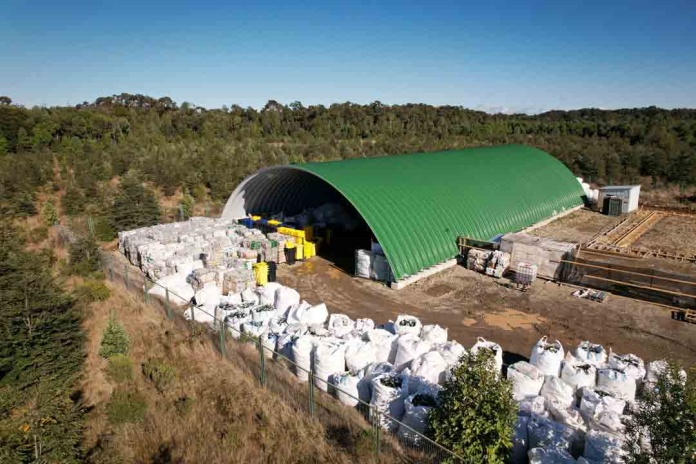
[518, 55]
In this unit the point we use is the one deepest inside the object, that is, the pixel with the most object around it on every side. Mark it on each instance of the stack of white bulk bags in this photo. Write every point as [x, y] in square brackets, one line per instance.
[548, 357]
[527, 380]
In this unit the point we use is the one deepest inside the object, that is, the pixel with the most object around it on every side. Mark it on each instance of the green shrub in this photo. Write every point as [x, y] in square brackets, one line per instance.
[49, 214]
[84, 257]
[93, 290]
[114, 340]
[183, 405]
[126, 407]
[476, 412]
[159, 373]
[120, 368]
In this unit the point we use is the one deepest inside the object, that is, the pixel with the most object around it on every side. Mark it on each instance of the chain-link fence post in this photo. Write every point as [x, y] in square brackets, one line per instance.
[311, 393]
[222, 330]
[167, 304]
[125, 276]
[262, 364]
[193, 313]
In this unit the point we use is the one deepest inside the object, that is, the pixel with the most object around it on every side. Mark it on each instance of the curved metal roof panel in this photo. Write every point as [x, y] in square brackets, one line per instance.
[417, 205]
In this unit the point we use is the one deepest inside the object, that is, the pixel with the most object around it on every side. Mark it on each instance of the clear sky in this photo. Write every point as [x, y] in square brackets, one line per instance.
[515, 55]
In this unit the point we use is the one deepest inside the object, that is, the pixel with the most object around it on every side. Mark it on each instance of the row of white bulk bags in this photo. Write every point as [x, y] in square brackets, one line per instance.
[548, 357]
[415, 420]
[482, 344]
[388, 394]
[359, 354]
[407, 325]
[577, 373]
[340, 325]
[550, 455]
[433, 333]
[527, 380]
[409, 347]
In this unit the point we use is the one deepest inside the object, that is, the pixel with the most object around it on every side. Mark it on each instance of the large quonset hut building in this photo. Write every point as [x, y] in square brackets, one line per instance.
[417, 205]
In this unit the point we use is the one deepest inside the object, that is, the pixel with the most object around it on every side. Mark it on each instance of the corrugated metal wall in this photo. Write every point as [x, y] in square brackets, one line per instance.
[416, 205]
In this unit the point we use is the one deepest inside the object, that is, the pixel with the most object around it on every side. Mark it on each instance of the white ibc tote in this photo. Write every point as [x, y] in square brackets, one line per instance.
[548, 357]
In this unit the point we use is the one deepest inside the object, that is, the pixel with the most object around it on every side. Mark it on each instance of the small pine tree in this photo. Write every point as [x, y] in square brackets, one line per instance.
[115, 340]
[134, 206]
[84, 256]
[50, 214]
[186, 206]
[662, 426]
[476, 412]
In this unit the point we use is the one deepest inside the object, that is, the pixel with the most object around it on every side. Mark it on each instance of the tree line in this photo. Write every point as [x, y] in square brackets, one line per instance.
[208, 152]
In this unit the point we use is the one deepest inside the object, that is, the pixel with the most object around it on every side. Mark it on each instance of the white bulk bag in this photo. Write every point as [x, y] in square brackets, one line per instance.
[263, 313]
[364, 325]
[602, 447]
[231, 299]
[578, 373]
[591, 400]
[426, 370]
[340, 325]
[277, 324]
[253, 329]
[363, 263]
[606, 421]
[630, 364]
[544, 432]
[415, 420]
[483, 344]
[266, 293]
[346, 388]
[369, 373]
[617, 384]
[234, 321]
[548, 357]
[533, 407]
[384, 344]
[549, 455]
[329, 359]
[180, 291]
[571, 418]
[656, 368]
[591, 352]
[200, 315]
[295, 314]
[407, 325]
[451, 351]
[250, 296]
[555, 389]
[302, 356]
[527, 380]
[520, 441]
[315, 315]
[269, 340]
[433, 333]
[359, 354]
[284, 345]
[285, 298]
[388, 394]
[409, 347]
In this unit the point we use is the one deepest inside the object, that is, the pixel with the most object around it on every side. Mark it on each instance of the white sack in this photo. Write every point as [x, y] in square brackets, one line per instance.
[433, 333]
[285, 298]
[315, 315]
[234, 321]
[545, 433]
[388, 401]
[617, 383]
[209, 296]
[656, 368]
[591, 400]
[533, 407]
[347, 388]
[329, 359]
[578, 373]
[483, 344]
[250, 296]
[407, 325]
[549, 456]
[591, 352]
[630, 364]
[263, 313]
[527, 380]
[369, 373]
[295, 314]
[451, 351]
[426, 370]
[302, 348]
[408, 348]
[606, 421]
[359, 354]
[277, 325]
[340, 325]
[363, 263]
[364, 325]
[415, 420]
[266, 293]
[384, 344]
[254, 329]
[548, 357]
[555, 389]
[603, 447]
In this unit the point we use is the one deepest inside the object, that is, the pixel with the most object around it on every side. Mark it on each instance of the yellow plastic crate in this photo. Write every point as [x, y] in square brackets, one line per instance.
[309, 250]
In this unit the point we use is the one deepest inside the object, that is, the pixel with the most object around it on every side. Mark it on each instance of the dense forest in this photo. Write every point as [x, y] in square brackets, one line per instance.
[207, 152]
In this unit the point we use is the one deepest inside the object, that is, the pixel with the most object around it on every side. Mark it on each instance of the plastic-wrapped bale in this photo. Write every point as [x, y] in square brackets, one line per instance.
[329, 359]
[630, 364]
[407, 325]
[603, 447]
[415, 420]
[346, 388]
[302, 348]
[359, 354]
[592, 400]
[285, 298]
[199, 278]
[577, 373]
[388, 394]
[483, 345]
[533, 407]
[340, 325]
[427, 371]
[452, 351]
[548, 357]
[476, 259]
[433, 333]
[497, 264]
[556, 390]
[409, 347]
[527, 380]
[520, 441]
[384, 344]
[363, 263]
[617, 383]
[549, 456]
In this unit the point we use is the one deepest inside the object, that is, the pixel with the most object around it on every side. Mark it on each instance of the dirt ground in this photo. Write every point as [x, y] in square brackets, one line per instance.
[674, 234]
[472, 305]
[579, 226]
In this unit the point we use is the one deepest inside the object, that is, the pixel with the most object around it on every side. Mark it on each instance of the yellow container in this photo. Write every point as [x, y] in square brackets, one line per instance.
[309, 232]
[255, 218]
[309, 250]
[289, 245]
[273, 222]
[299, 254]
[261, 273]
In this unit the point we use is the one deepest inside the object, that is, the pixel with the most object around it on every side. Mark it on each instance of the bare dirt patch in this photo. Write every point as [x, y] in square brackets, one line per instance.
[479, 306]
[579, 226]
[673, 234]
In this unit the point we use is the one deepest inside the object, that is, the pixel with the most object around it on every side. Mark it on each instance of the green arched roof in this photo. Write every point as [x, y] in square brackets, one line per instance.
[416, 205]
